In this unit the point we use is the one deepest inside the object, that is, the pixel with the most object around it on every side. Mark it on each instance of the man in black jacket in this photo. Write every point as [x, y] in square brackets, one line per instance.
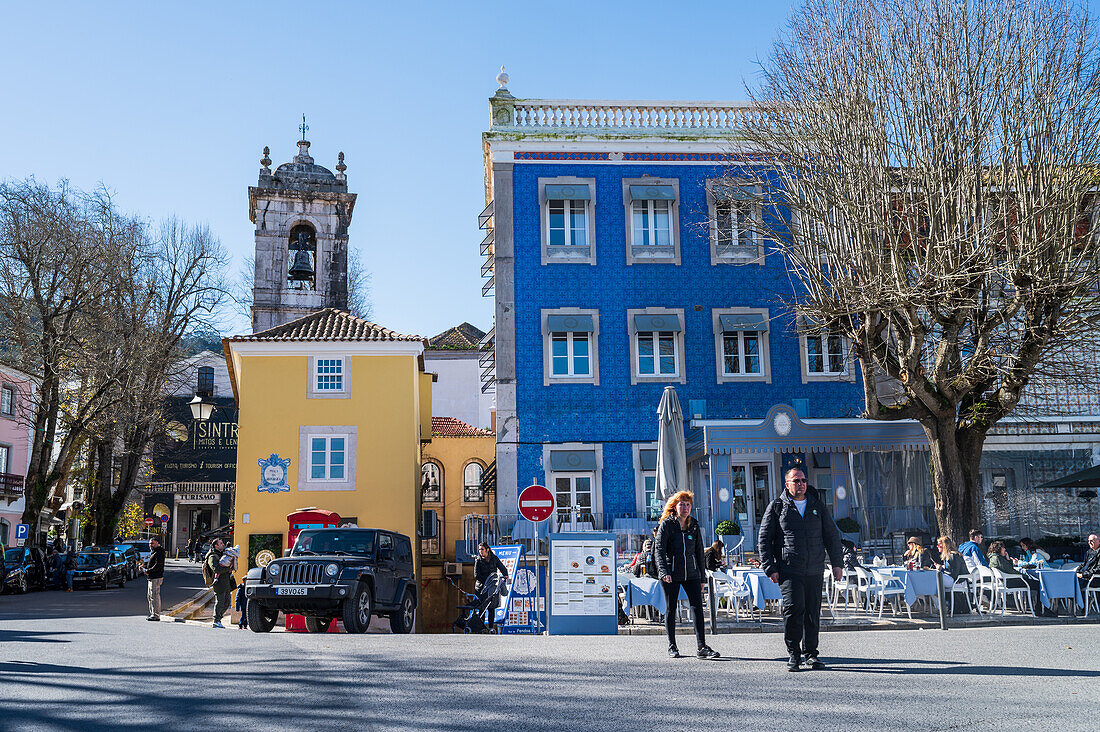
[154, 570]
[795, 534]
[1089, 571]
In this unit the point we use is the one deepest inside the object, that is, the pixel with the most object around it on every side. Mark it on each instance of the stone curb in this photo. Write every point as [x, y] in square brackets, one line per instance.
[192, 606]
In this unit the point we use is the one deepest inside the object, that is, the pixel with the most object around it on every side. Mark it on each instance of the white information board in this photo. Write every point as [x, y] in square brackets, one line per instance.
[583, 577]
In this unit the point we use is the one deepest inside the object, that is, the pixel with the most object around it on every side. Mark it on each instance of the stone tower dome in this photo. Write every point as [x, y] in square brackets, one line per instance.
[300, 207]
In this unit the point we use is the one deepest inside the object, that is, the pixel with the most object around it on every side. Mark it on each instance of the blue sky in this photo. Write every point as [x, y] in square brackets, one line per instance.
[171, 104]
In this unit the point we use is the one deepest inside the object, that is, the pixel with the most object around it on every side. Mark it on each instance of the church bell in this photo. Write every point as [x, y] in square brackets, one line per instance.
[302, 269]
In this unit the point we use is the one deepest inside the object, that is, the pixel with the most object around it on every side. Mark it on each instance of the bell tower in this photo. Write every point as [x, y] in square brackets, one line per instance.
[302, 212]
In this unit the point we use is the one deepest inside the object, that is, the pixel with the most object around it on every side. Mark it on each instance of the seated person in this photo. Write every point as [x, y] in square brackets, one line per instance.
[950, 561]
[713, 557]
[972, 550]
[1030, 553]
[1089, 571]
[851, 555]
[998, 558]
[639, 563]
[917, 554]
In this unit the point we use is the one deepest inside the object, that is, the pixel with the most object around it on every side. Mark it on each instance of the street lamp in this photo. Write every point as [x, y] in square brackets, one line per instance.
[201, 410]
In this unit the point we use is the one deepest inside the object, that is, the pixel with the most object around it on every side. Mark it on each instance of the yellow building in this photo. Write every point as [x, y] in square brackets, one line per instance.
[333, 410]
[456, 482]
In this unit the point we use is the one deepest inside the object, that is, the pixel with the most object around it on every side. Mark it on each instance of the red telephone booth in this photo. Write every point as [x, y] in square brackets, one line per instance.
[309, 518]
[302, 520]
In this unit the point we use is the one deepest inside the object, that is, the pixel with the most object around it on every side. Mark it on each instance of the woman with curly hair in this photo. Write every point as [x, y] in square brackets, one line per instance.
[679, 557]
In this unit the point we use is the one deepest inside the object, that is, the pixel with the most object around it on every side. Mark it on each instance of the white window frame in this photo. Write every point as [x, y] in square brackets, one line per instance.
[735, 254]
[306, 481]
[570, 254]
[765, 375]
[439, 472]
[327, 466]
[640, 475]
[548, 375]
[651, 253]
[312, 392]
[806, 332]
[597, 474]
[5, 458]
[680, 377]
[571, 338]
[465, 484]
[9, 391]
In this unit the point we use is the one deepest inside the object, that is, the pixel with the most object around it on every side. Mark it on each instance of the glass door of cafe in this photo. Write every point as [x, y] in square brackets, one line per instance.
[743, 494]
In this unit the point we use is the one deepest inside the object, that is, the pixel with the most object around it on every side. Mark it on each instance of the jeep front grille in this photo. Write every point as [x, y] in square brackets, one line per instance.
[300, 573]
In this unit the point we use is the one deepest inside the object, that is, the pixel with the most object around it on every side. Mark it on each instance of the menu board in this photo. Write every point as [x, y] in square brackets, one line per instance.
[583, 577]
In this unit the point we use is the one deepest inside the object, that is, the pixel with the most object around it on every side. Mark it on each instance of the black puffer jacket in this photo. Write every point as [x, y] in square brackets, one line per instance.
[679, 552]
[793, 544]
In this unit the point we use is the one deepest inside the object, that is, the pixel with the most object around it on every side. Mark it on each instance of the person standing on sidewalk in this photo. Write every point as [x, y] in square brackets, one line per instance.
[795, 534]
[223, 579]
[679, 557]
[154, 571]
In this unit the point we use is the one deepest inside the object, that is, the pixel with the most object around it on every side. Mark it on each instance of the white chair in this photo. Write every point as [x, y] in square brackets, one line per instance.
[732, 591]
[986, 585]
[849, 586]
[1009, 586]
[827, 590]
[965, 586]
[882, 588]
[1092, 589]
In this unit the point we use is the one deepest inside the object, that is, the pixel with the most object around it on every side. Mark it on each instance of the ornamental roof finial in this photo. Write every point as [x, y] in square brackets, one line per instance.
[502, 78]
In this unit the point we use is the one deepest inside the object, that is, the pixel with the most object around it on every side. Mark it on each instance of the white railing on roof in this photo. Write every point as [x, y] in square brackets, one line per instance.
[577, 114]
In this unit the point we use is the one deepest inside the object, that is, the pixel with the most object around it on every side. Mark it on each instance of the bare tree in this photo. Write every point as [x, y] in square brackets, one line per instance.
[57, 248]
[170, 285]
[930, 185]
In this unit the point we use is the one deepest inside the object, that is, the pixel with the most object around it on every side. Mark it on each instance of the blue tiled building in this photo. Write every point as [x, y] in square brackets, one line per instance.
[625, 255]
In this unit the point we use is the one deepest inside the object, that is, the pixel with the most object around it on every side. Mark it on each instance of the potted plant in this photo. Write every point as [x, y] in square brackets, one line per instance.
[727, 528]
[849, 529]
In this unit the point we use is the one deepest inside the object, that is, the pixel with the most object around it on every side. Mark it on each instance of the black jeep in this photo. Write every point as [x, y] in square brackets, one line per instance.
[337, 574]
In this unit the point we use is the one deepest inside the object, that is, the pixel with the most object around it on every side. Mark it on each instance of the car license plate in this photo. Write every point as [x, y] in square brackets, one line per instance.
[290, 590]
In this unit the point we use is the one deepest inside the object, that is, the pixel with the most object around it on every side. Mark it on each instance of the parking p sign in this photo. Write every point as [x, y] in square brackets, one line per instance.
[22, 531]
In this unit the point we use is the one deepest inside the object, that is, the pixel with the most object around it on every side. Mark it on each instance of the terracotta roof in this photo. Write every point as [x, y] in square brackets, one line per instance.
[463, 337]
[451, 427]
[329, 324]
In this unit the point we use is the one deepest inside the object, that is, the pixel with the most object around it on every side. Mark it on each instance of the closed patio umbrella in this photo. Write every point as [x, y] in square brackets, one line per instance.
[671, 451]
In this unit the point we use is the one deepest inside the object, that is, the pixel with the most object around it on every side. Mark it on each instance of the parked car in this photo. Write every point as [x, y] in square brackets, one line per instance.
[100, 568]
[348, 575]
[24, 569]
[143, 549]
[133, 559]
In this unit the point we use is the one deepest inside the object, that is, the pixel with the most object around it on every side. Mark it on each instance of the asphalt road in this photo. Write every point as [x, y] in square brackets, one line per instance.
[181, 580]
[122, 673]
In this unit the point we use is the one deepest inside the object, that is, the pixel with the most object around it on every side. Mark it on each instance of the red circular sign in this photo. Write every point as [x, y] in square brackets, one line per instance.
[536, 503]
[148, 522]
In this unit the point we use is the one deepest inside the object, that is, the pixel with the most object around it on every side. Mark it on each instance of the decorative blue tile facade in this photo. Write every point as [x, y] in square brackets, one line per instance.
[615, 413]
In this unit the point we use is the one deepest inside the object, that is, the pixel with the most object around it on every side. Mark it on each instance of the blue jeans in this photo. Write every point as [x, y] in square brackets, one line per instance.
[69, 578]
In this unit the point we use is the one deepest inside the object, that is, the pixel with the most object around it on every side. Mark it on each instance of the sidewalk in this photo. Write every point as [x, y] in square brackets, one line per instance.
[848, 620]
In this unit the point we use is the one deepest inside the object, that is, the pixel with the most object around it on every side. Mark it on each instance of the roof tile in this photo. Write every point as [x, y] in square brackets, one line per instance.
[452, 427]
[329, 324]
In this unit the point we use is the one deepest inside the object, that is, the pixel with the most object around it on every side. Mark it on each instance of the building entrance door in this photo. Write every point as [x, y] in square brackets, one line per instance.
[201, 519]
[742, 496]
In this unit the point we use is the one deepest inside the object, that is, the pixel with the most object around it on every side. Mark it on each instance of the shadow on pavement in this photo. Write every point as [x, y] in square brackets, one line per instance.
[926, 668]
[31, 636]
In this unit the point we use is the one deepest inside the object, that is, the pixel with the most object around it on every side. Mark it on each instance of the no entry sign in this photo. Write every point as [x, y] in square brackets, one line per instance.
[536, 503]
[149, 521]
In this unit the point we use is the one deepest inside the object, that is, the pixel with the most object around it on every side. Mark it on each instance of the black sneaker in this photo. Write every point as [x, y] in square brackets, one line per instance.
[815, 663]
[673, 651]
[795, 662]
[154, 618]
[706, 651]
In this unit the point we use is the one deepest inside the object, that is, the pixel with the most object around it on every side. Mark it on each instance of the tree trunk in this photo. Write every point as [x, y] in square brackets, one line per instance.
[955, 478]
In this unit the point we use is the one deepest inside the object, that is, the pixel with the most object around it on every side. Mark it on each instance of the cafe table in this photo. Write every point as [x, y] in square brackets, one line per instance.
[1055, 584]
